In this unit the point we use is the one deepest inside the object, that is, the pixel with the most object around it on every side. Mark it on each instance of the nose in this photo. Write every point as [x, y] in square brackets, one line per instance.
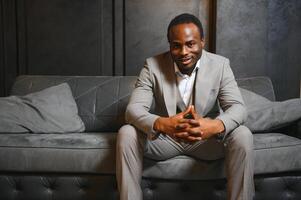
[184, 51]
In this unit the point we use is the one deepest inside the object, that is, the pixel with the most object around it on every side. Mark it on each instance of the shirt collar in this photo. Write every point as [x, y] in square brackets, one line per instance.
[179, 73]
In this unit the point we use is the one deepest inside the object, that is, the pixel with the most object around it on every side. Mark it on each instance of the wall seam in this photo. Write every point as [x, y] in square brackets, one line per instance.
[124, 37]
[4, 53]
[113, 39]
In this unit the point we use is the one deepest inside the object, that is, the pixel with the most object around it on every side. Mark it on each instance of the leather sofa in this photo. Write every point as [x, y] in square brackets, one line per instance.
[82, 165]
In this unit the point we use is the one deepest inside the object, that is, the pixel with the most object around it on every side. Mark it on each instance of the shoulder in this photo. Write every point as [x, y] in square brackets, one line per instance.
[159, 59]
[160, 63]
[215, 57]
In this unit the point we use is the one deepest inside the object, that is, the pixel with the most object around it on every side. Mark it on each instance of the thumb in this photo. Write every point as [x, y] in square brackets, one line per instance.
[188, 110]
[194, 113]
[193, 109]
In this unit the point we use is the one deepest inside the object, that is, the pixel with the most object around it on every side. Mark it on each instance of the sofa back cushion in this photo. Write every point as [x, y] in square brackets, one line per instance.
[101, 100]
[261, 85]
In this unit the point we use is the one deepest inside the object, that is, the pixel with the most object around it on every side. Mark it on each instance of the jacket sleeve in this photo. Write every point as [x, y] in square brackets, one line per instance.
[229, 97]
[137, 111]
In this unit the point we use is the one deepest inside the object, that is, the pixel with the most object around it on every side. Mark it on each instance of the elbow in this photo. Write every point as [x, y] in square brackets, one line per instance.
[128, 114]
[132, 113]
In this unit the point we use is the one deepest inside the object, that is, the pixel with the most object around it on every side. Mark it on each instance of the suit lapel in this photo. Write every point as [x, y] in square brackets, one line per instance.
[202, 86]
[169, 85]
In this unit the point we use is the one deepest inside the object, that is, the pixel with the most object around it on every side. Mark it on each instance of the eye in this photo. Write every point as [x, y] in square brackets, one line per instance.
[191, 44]
[176, 45]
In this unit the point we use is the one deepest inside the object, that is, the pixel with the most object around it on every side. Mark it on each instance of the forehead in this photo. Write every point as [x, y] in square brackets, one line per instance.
[184, 32]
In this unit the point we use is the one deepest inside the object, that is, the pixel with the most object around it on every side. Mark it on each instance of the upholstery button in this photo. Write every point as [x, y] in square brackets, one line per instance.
[49, 183]
[152, 186]
[148, 192]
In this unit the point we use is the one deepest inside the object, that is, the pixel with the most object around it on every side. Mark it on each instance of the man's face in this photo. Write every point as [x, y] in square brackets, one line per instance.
[186, 46]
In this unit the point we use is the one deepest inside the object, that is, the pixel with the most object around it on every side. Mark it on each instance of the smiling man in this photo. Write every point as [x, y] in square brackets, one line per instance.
[197, 111]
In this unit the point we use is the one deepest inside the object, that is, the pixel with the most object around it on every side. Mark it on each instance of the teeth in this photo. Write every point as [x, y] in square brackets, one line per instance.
[185, 60]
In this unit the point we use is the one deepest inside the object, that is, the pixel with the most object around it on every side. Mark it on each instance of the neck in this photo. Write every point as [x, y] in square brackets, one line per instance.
[188, 71]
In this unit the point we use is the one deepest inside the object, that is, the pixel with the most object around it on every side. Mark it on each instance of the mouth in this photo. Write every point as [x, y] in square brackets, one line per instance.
[185, 61]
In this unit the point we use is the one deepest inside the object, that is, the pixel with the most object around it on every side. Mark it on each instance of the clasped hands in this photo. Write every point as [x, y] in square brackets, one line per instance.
[188, 126]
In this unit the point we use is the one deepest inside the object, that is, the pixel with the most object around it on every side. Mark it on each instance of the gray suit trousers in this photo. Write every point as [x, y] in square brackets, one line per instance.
[237, 148]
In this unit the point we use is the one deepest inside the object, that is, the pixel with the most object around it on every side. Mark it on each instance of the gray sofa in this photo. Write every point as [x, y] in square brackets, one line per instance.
[63, 166]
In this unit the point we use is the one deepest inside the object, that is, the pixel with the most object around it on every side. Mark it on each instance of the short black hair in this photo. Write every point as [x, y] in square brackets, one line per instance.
[185, 18]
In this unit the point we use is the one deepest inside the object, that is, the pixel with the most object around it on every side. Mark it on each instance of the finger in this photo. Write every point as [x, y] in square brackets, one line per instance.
[193, 109]
[194, 113]
[194, 122]
[181, 126]
[184, 120]
[181, 135]
[188, 110]
[195, 133]
[193, 139]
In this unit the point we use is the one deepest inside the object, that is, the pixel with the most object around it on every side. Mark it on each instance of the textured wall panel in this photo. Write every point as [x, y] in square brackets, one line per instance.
[2, 71]
[8, 62]
[284, 42]
[66, 37]
[262, 37]
[118, 32]
[242, 34]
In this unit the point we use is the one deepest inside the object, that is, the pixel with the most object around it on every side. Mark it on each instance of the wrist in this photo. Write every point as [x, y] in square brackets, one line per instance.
[157, 124]
[220, 128]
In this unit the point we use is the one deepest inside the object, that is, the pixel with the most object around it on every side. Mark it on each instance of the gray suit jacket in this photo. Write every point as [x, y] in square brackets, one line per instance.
[216, 93]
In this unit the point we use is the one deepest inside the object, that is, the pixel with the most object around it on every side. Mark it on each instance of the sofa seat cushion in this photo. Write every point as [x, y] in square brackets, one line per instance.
[274, 152]
[95, 153]
[74, 152]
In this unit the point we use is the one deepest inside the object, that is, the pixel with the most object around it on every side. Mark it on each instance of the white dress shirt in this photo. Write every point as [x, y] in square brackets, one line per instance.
[185, 82]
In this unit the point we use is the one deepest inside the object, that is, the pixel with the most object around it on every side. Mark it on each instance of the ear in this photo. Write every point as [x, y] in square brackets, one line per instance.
[203, 42]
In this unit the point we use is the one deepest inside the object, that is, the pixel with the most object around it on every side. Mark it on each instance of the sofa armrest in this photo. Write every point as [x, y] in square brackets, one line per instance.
[298, 129]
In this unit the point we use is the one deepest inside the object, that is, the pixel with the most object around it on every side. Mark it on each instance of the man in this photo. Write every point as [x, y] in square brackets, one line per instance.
[174, 110]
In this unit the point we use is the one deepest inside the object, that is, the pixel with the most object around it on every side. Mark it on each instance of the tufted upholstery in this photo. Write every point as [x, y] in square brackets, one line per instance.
[57, 187]
[82, 165]
[92, 187]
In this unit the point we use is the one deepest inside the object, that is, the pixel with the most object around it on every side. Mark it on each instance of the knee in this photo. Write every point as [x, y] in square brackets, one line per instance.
[241, 138]
[127, 136]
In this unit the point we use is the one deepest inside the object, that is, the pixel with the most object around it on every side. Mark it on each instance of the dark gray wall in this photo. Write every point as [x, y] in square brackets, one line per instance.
[8, 51]
[262, 37]
[59, 33]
